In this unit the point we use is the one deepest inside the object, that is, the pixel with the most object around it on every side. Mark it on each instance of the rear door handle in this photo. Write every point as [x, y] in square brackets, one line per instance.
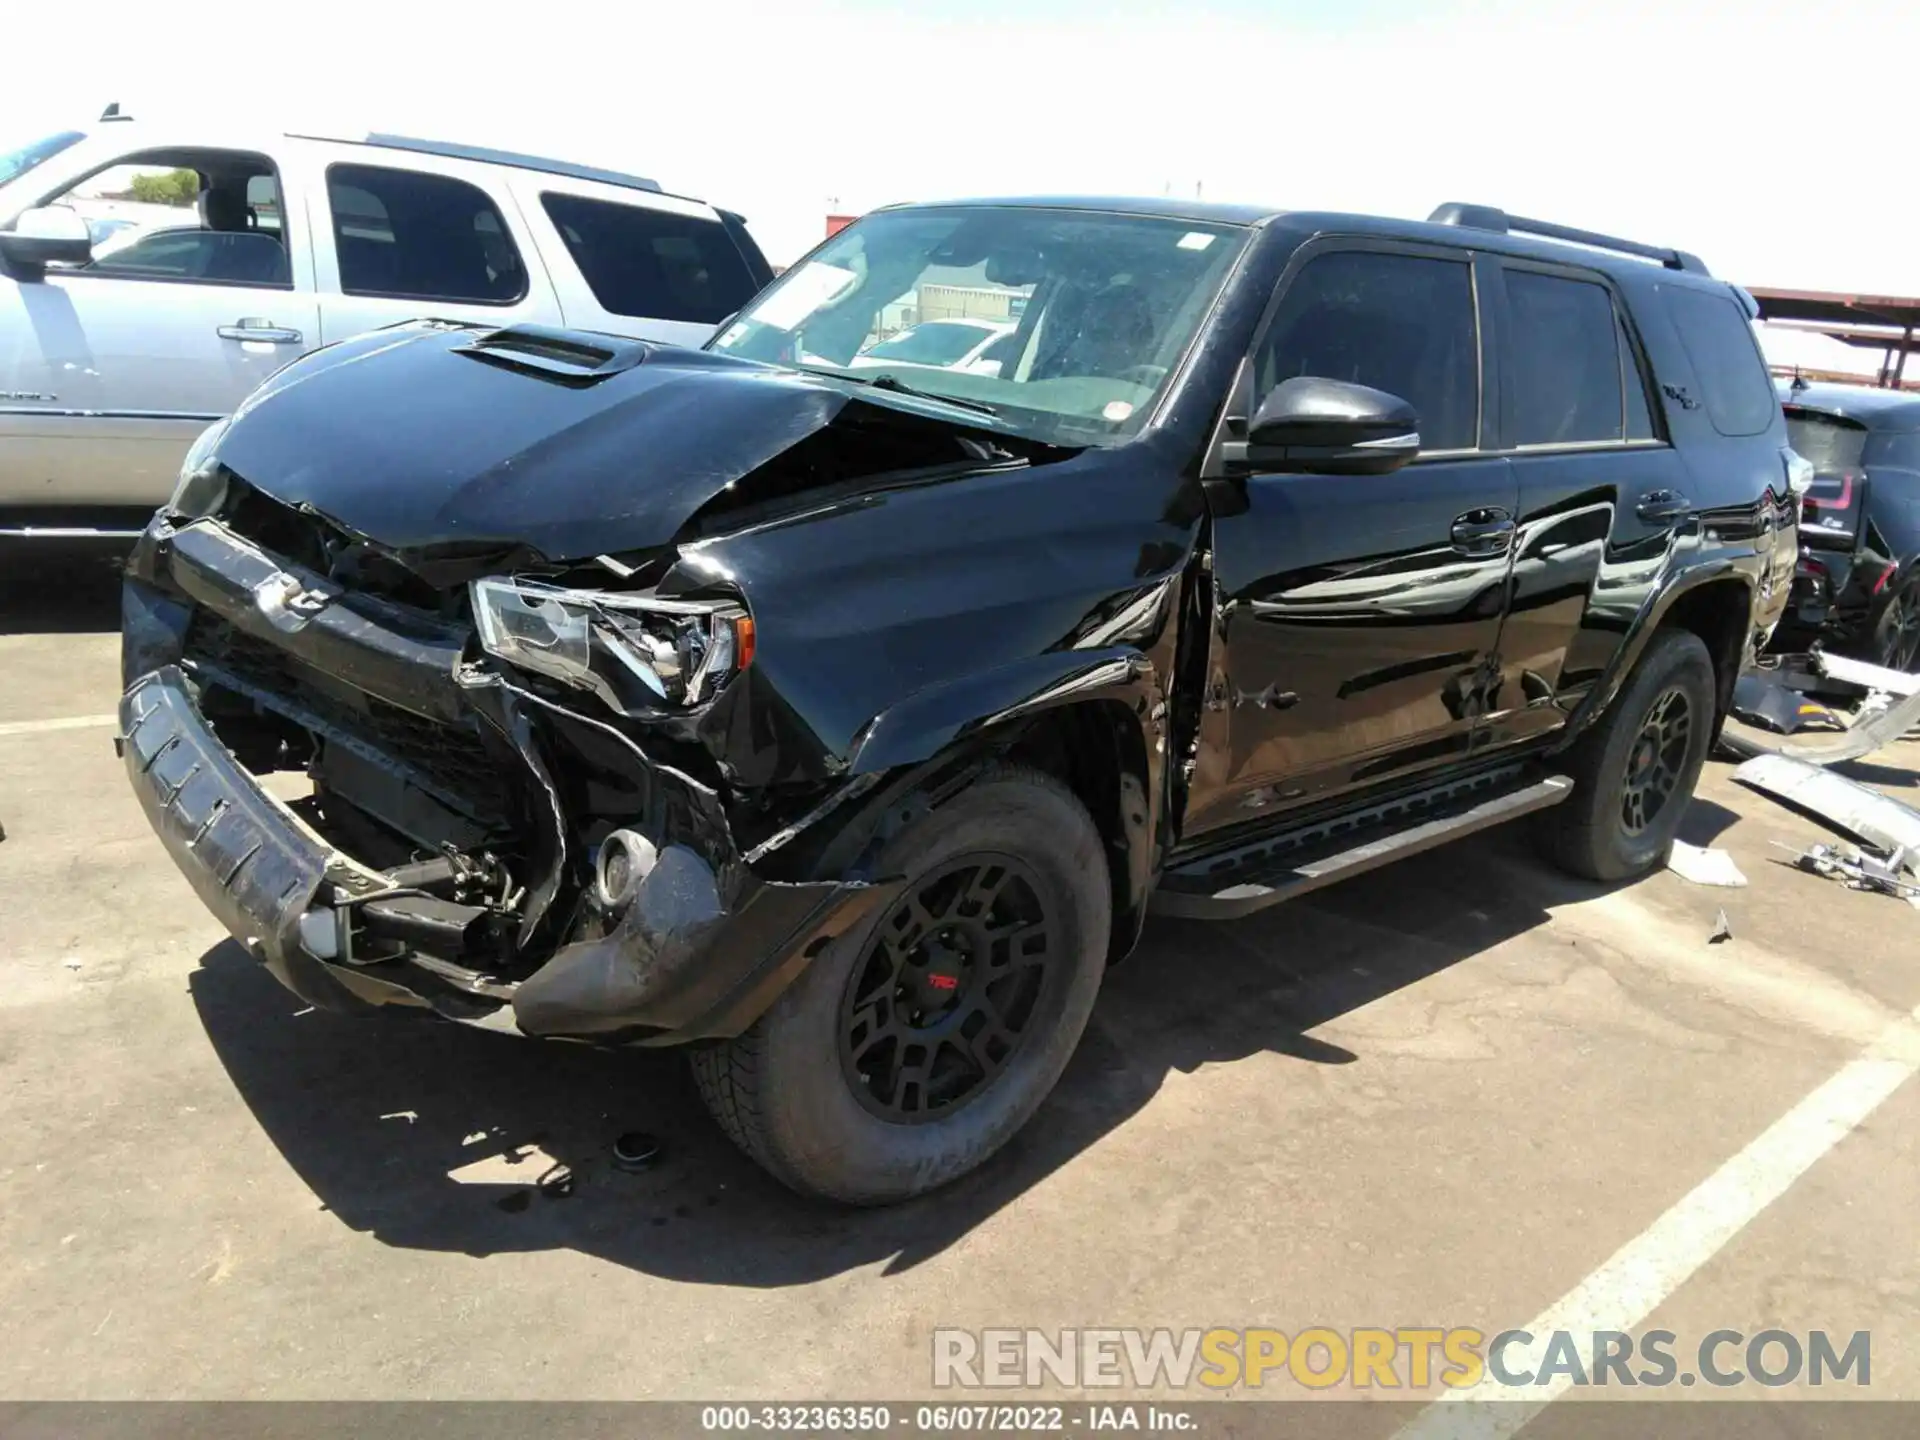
[260, 331]
[1483, 532]
[1663, 507]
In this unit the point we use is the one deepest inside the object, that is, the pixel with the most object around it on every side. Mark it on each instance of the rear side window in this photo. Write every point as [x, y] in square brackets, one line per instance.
[1726, 360]
[416, 236]
[1562, 383]
[1400, 323]
[652, 264]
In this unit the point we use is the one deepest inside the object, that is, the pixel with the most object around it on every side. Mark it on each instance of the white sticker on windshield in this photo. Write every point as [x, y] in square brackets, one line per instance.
[801, 293]
[1196, 240]
[1117, 410]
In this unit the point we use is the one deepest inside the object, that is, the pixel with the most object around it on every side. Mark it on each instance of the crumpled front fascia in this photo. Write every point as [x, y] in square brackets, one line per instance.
[705, 944]
[698, 953]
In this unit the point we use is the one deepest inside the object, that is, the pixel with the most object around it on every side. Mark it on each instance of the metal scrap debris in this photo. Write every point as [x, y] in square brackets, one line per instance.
[1771, 698]
[1881, 821]
[1887, 831]
[1862, 870]
[1704, 866]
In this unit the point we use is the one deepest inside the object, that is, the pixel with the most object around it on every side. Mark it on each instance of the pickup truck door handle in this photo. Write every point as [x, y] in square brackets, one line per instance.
[262, 331]
[1662, 507]
[1483, 532]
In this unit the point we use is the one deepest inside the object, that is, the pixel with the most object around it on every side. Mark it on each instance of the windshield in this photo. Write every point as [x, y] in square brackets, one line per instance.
[1098, 310]
[15, 163]
[1831, 445]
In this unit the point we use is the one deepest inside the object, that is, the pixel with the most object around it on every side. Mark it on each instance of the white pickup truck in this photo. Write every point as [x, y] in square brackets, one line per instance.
[151, 276]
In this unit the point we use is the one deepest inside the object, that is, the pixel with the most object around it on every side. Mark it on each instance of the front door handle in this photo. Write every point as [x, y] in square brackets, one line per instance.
[261, 331]
[1663, 507]
[1482, 532]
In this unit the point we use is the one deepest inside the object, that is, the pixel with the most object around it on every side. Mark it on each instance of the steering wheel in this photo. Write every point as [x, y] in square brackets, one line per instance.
[1146, 376]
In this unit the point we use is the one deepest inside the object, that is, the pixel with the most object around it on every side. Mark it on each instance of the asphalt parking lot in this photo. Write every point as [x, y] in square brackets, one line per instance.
[1446, 1094]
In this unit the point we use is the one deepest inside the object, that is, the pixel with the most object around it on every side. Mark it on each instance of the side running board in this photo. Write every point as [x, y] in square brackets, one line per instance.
[1220, 889]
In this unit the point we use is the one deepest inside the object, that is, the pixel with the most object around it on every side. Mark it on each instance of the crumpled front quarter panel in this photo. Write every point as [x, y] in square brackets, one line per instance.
[860, 606]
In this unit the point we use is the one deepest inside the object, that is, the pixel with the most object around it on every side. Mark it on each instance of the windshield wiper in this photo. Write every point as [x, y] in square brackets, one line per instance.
[887, 380]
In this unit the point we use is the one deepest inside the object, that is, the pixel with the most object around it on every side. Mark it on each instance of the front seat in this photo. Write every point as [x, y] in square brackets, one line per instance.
[224, 208]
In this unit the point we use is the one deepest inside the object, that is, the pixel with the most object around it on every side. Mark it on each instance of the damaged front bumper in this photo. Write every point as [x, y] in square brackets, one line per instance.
[698, 949]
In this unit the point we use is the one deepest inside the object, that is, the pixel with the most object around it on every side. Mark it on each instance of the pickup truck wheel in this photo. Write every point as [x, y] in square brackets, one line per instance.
[1635, 770]
[919, 1042]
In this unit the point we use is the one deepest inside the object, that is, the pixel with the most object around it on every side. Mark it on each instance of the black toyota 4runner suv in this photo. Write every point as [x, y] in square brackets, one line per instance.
[841, 716]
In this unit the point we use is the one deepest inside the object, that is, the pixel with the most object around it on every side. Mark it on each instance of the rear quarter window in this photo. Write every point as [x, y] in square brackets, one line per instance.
[652, 264]
[1733, 381]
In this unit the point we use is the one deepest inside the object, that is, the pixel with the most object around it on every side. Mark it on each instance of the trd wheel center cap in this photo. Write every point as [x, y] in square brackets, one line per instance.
[936, 984]
[1642, 758]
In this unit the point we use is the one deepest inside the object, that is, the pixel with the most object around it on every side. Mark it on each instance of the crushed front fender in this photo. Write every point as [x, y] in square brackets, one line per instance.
[699, 953]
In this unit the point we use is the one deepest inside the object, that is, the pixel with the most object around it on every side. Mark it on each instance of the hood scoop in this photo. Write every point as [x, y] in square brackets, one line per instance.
[565, 357]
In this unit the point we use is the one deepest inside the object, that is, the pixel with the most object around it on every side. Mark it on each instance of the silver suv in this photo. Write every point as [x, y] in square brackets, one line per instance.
[151, 276]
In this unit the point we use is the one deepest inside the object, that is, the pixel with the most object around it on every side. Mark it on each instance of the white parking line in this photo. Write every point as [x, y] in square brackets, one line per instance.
[70, 722]
[1657, 1262]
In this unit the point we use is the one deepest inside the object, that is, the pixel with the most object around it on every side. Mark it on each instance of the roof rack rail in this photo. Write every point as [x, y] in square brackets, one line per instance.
[488, 156]
[1489, 217]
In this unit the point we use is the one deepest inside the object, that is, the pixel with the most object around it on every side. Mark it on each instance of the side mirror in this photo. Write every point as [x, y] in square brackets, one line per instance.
[1332, 427]
[45, 235]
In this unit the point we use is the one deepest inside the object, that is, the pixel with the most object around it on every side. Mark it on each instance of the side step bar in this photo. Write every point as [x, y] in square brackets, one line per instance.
[1187, 894]
[65, 532]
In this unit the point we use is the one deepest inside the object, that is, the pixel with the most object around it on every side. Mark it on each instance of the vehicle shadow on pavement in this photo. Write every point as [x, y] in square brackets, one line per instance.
[376, 1115]
[60, 587]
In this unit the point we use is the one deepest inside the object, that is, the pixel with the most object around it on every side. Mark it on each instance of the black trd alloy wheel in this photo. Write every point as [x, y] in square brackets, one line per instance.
[947, 990]
[1656, 760]
[918, 1042]
[1635, 767]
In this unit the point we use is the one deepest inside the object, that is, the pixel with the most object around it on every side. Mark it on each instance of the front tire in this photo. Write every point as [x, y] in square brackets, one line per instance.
[1635, 769]
[918, 1043]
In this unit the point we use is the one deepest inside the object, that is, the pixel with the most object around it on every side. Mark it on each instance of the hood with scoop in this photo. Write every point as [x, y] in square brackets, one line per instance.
[431, 437]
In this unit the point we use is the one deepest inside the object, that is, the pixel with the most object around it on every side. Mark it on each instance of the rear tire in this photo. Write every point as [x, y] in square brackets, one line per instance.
[1635, 768]
[918, 1043]
[1896, 632]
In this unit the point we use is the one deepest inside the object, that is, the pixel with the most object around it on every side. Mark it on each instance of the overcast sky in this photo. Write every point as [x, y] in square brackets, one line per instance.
[1732, 130]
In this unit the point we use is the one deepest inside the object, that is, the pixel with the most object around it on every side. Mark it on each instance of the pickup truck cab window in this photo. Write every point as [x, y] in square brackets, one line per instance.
[414, 236]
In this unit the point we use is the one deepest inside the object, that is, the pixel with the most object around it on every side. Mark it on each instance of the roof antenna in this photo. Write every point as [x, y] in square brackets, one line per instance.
[112, 112]
[1799, 382]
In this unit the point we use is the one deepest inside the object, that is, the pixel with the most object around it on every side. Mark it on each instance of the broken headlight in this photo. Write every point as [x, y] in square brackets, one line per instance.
[202, 486]
[637, 652]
